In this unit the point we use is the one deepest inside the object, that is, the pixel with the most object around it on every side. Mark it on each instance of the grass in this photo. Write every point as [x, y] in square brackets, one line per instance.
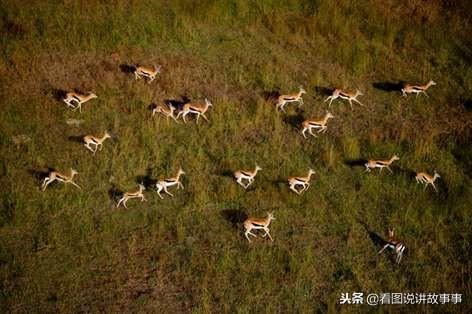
[71, 250]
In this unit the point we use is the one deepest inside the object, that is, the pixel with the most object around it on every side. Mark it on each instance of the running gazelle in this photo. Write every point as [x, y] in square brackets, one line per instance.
[166, 110]
[258, 223]
[395, 245]
[247, 175]
[197, 108]
[78, 98]
[423, 177]
[377, 163]
[147, 72]
[61, 177]
[418, 89]
[282, 100]
[95, 140]
[309, 125]
[164, 184]
[304, 182]
[346, 95]
[133, 194]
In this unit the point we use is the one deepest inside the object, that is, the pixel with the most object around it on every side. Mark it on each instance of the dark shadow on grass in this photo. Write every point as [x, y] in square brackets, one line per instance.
[374, 237]
[178, 104]
[324, 91]
[294, 120]
[76, 138]
[355, 162]
[468, 104]
[57, 93]
[147, 180]
[127, 68]
[114, 193]
[226, 173]
[234, 216]
[388, 86]
[408, 172]
[40, 173]
[271, 96]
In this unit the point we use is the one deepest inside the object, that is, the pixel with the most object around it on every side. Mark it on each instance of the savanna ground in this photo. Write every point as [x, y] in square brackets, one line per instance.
[70, 250]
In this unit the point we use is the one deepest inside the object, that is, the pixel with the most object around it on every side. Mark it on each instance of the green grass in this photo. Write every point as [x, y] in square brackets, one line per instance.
[71, 250]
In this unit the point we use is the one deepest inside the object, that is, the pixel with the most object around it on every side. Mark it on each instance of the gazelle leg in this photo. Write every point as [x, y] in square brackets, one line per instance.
[358, 102]
[46, 183]
[399, 257]
[158, 190]
[165, 190]
[75, 184]
[388, 167]
[383, 249]
[120, 201]
[303, 132]
[184, 115]
[350, 102]
[203, 115]
[247, 236]
[268, 233]
[434, 186]
[312, 133]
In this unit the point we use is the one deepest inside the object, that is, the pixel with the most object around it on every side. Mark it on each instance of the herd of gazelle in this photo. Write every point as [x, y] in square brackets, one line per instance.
[298, 184]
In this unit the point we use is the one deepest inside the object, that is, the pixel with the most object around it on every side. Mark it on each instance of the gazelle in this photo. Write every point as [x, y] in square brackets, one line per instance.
[303, 181]
[79, 99]
[376, 163]
[61, 177]
[309, 125]
[410, 88]
[197, 108]
[164, 184]
[247, 175]
[343, 94]
[165, 110]
[394, 244]
[423, 177]
[147, 72]
[134, 194]
[285, 99]
[94, 140]
[258, 223]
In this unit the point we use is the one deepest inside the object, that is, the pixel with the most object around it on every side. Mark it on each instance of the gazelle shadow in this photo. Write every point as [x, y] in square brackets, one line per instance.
[389, 86]
[127, 68]
[234, 216]
[294, 120]
[226, 173]
[176, 103]
[355, 162]
[376, 239]
[114, 193]
[76, 138]
[147, 179]
[324, 91]
[468, 104]
[57, 94]
[271, 96]
[39, 174]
